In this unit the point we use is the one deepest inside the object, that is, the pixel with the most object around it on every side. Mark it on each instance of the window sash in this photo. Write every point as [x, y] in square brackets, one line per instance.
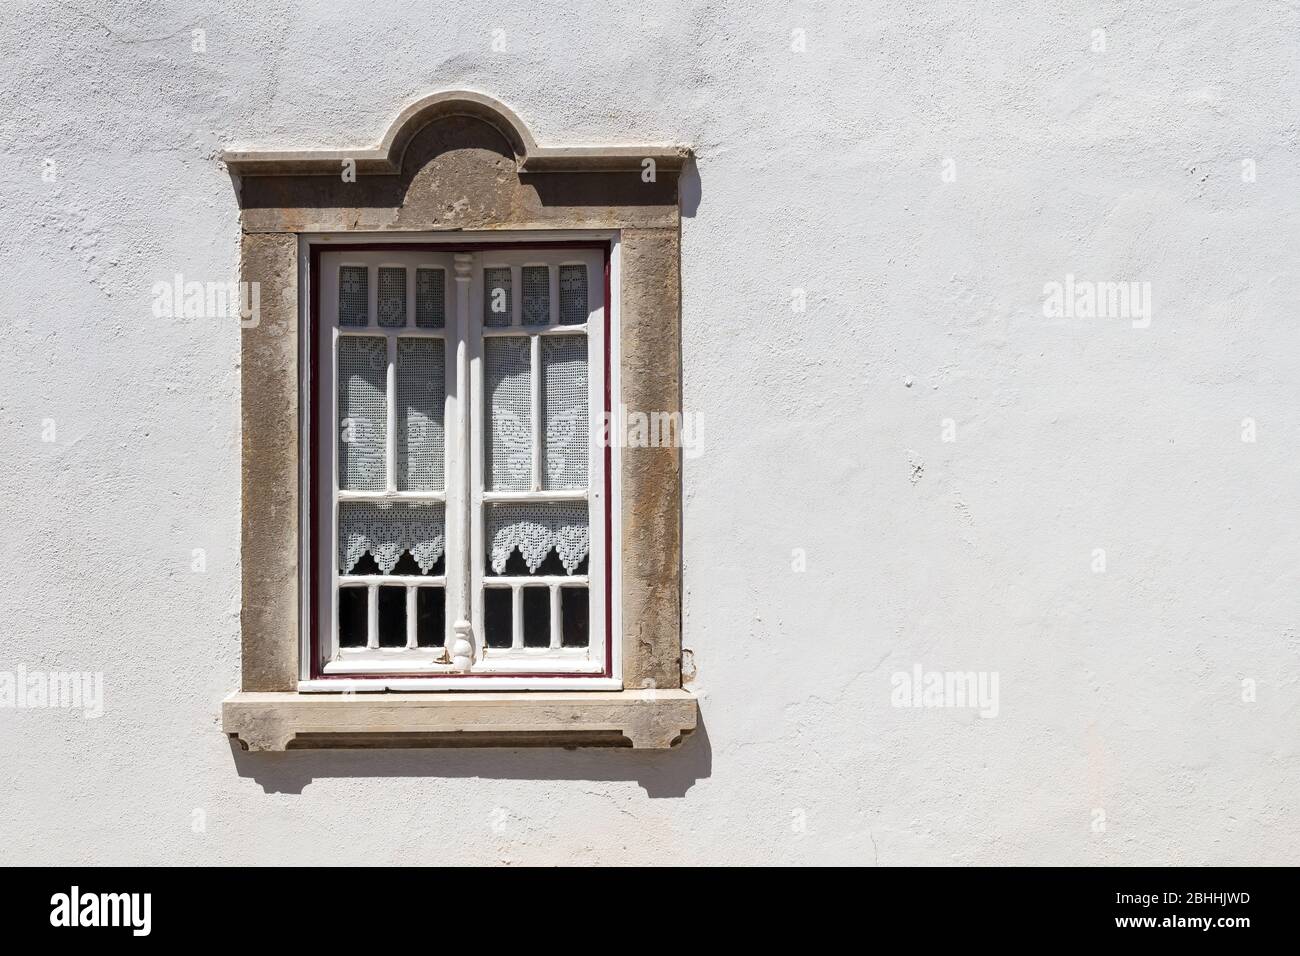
[594, 494]
[463, 323]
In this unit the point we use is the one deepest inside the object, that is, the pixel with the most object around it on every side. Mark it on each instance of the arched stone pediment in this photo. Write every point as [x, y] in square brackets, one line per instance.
[387, 158]
[457, 160]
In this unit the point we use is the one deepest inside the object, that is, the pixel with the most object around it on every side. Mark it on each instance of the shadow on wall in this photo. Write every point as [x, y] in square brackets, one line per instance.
[663, 773]
[689, 188]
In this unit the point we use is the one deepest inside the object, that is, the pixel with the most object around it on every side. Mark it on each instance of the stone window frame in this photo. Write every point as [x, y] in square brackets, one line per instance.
[458, 162]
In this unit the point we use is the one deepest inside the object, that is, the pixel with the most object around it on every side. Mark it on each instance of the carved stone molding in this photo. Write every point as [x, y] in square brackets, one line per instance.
[386, 158]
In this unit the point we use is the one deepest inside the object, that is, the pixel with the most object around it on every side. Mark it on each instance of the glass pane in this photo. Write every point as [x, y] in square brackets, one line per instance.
[354, 295]
[574, 612]
[387, 531]
[498, 617]
[391, 302]
[406, 564]
[507, 431]
[392, 617]
[535, 530]
[352, 616]
[430, 616]
[537, 617]
[363, 412]
[564, 407]
[573, 295]
[421, 405]
[537, 295]
[496, 297]
[430, 298]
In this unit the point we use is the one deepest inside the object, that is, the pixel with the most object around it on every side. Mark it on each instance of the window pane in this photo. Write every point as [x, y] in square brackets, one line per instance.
[363, 412]
[535, 530]
[386, 531]
[406, 564]
[421, 398]
[537, 617]
[573, 295]
[352, 616]
[430, 298]
[550, 567]
[391, 302]
[354, 295]
[537, 295]
[564, 405]
[507, 429]
[574, 611]
[430, 610]
[498, 617]
[392, 617]
[496, 297]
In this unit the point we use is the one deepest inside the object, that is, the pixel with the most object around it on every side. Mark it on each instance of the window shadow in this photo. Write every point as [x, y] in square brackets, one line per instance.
[689, 189]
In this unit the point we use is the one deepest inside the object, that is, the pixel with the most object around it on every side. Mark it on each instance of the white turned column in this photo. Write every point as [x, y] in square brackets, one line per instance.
[462, 649]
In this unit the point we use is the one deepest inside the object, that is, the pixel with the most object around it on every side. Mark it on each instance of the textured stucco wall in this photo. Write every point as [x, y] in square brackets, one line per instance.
[819, 170]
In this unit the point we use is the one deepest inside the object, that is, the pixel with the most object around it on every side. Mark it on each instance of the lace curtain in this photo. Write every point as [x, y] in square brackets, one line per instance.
[535, 529]
[430, 298]
[421, 404]
[354, 296]
[566, 424]
[573, 295]
[507, 431]
[385, 531]
[391, 302]
[363, 412]
[496, 297]
[564, 403]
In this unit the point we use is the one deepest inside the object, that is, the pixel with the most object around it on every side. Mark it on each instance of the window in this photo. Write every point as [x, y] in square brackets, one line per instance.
[431, 311]
[460, 494]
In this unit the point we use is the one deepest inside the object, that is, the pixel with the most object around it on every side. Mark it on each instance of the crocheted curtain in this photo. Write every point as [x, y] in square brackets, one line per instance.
[536, 529]
[386, 531]
[507, 427]
[421, 404]
[564, 405]
[363, 412]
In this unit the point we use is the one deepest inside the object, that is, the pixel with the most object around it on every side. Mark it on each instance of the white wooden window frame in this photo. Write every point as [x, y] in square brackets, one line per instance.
[518, 667]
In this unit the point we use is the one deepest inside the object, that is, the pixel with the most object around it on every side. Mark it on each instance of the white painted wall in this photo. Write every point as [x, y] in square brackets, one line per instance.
[1119, 691]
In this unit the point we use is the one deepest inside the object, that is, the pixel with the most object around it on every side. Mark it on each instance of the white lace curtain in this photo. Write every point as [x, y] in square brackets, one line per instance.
[535, 529]
[566, 421]
[385, 531]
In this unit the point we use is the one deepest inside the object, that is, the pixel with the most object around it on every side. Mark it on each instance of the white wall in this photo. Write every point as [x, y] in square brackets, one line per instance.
[1120, 691]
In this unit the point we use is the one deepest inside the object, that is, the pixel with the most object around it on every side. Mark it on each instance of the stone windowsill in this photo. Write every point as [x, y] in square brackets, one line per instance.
[643, 719]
